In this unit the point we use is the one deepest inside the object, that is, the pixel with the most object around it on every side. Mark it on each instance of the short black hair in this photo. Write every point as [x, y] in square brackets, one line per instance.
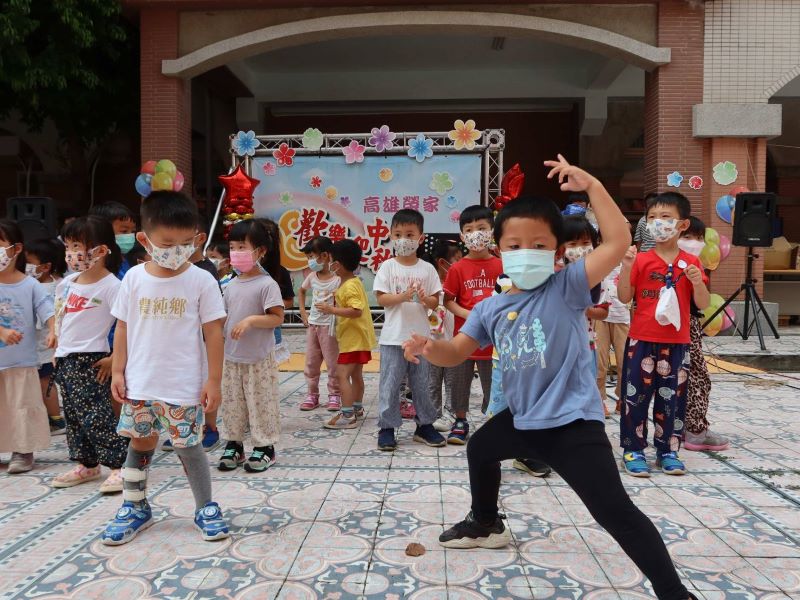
[49, 251]
[10, 232]
[113, 211]
[93, 231]
[476, 212]
[409, 216]
[675, 199]
[531, 207]
[578, 226]
[220, 246]
[696, 227]
[445, 249]
[169, 209]
[578, 197]
[258, 235]
[318, 245]
[347, 253]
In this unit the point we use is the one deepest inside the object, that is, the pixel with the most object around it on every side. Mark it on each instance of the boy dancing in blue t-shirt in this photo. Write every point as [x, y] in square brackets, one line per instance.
[554, 410]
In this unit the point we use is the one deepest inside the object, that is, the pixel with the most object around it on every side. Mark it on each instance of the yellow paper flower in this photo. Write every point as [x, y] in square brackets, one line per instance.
[464, 135]
[386, 174]
[331, 192]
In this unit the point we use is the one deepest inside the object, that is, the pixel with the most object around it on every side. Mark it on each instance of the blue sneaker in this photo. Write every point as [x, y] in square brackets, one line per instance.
[386, 440]
[167, 445]
[635, 464]
[209, 520]
[458, 433]
[427, 434]
[670, 463]
[210, 438]
[131, 518]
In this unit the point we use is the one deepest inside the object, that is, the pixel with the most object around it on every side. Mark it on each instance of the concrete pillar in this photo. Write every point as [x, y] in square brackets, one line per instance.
[165, 101]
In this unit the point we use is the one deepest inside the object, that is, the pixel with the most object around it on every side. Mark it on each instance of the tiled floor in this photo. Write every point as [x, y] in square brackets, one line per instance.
[333, 517]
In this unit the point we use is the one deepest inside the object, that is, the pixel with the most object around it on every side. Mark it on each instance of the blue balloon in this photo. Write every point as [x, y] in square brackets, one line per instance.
[725, 206]
[143, 186]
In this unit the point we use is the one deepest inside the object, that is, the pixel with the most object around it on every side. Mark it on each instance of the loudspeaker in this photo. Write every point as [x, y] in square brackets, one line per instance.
[752, 222]
[36, 216]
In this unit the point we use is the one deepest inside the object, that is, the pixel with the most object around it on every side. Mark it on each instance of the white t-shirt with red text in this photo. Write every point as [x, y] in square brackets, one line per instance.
[83, 314]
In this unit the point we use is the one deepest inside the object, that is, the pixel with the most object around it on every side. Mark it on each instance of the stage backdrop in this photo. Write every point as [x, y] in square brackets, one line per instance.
[322, 195]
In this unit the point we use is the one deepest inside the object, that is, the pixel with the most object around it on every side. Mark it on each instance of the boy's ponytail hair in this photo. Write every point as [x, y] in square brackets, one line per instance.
[11, 232]
[93, 231]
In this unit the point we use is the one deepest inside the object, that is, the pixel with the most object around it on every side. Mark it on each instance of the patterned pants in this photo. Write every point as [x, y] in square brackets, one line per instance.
[699, 382]
[91, 424]
[250, 398]
[652, 368]
[463, 375]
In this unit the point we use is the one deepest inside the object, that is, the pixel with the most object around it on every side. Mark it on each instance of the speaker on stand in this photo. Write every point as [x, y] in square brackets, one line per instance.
[752, 228]
[35, 215]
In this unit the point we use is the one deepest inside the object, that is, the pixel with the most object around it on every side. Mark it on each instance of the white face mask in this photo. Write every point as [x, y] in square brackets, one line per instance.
[690, 246]
[30, 271]
[171, 258]
[662, 230]
[477, 241]
[405, 246]
[5, 258]
[577, 253]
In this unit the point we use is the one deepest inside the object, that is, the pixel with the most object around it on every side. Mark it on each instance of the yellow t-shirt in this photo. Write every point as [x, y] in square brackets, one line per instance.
[354, 335]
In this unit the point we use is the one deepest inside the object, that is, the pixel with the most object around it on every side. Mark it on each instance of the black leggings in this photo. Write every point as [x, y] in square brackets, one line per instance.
[581, 453]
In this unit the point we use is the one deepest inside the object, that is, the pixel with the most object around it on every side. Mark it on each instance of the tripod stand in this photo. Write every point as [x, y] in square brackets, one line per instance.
[750, 297]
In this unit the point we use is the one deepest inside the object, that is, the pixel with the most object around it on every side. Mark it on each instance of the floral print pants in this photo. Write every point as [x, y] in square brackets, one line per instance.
[250, 398]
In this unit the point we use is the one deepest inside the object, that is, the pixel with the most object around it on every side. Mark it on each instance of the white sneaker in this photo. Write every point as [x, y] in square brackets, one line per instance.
[443, 423]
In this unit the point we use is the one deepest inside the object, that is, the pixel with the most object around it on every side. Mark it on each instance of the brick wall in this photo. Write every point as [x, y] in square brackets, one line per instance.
[165, 102]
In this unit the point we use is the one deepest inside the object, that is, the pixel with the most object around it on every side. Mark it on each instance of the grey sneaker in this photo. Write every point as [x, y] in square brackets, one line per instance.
[20, 463]
[443, 423]
[698, 442]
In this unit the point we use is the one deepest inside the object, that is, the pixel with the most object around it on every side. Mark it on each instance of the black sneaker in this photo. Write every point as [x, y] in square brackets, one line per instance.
[58, 426]
[232, 457]
[532, 466]
[260, 460]
[458, 433]
[471, 534]
[427, 434]
[386, 440]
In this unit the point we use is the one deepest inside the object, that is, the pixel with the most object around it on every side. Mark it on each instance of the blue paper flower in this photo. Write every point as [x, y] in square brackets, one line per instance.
[674, 179]
[451, 202]
[420, 148]
[245, 143]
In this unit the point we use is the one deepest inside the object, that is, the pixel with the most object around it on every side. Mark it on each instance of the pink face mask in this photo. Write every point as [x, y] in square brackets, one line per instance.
[243, 260]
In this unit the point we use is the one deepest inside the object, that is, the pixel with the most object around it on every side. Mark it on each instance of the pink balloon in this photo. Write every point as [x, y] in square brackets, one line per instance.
[177, 184]
[724, 246]
[728, 318]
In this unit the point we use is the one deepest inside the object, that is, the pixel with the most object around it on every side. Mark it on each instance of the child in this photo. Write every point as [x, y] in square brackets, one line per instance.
[613, 330]
[166, 310]
[355, 333]
[468, 282]
[642, 238]
[124, 224]
[656, 354]
[547, 376]
[250, 376]
[407, 288]
[218, 253]
[446, 254]
[320, 337]
[698, 434]
[580, 238]
[45, 263]
[284, 280]
[84, 301]
[24, 427]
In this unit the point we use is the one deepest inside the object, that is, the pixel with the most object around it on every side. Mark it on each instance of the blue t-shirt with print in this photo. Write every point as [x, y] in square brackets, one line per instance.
[21, 304]
[544, 359]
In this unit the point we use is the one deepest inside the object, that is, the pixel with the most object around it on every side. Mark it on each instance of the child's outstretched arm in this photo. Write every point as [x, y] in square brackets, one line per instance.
[613, 225]
[624, 290]
[442, 353]
[700, 293]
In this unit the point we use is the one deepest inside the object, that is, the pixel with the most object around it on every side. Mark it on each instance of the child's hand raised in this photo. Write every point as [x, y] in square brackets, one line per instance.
[240, 328]
[630, 256]
[577, 180]
[414, 347]
[694, 274]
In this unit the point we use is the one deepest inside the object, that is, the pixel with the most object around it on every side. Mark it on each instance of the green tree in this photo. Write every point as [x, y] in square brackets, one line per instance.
[74, 62]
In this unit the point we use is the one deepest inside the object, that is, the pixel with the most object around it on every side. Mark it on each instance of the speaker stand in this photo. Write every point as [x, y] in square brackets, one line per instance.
[751, 298]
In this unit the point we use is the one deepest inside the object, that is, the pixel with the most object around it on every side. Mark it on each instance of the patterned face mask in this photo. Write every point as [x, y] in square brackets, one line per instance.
[662, 230]
[577, 253]
[79, 261]
[171, 258]
[31, 271]
[5, 258]
[477, 241]
[405, 246]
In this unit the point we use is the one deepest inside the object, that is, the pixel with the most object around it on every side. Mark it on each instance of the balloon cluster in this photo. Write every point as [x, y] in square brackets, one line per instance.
[717, 249]
[722, 321]
[158, 175]
[510, 187]
[238, 204]
[726, 204]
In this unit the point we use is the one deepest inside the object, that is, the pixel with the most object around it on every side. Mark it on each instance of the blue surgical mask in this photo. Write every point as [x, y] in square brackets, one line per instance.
[528, 269]
[315, 265]
[125, 241]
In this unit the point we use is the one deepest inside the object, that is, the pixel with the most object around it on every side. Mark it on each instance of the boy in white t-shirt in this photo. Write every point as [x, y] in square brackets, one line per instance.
[169, 318]
[407, 288]
[321, 337]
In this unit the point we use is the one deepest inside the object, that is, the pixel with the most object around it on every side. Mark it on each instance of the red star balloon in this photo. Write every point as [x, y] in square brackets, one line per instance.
[238, 186]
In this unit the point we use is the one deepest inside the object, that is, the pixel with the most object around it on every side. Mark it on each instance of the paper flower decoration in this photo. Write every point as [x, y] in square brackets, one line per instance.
[269, 168]
[455, 216]
[725, 173]
[331, 192]
[695, 182]
[353, 152]
[315, 181]
[420, 148]
[284, 155]
[464, 135]
[312, 139]
[441, 183]
[386, 175]
[286, 198]
[245, 143]
[382, 139]
[345, 201]
[674, 179]
[451, 202]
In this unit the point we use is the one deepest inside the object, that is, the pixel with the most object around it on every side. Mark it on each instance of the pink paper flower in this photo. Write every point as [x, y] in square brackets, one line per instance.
[284, 155]
[353, 152]
[269, 168]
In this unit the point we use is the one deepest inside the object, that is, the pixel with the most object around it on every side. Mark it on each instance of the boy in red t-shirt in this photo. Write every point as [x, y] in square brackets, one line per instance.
[469, 281]
[657, 355]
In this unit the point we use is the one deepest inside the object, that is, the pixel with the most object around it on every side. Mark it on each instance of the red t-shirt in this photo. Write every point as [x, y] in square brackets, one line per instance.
[648, 276]
[469, 281]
